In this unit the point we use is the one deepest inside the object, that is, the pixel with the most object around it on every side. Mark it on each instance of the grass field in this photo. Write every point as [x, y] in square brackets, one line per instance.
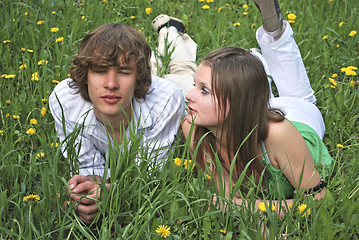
[37, 42]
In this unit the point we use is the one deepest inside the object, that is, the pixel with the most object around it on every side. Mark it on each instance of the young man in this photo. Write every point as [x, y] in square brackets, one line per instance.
[111, 86]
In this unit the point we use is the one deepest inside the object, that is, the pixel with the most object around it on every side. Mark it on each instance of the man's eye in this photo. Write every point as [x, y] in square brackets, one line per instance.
[124, 72]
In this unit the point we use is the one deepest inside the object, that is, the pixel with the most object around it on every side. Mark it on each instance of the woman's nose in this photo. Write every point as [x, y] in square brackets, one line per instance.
[190, 95]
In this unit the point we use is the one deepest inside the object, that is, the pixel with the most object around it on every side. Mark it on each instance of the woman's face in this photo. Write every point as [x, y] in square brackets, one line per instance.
[203, 104]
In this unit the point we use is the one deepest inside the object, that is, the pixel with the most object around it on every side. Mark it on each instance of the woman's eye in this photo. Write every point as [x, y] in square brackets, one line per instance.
[204, 90]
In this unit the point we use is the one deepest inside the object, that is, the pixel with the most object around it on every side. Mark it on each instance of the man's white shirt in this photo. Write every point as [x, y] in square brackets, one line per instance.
[157, 118]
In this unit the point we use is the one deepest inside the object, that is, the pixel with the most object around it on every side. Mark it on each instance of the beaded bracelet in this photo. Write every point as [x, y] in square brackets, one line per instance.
[317, 188]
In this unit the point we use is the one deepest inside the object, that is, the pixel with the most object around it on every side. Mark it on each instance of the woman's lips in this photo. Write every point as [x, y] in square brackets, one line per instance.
[191, 111]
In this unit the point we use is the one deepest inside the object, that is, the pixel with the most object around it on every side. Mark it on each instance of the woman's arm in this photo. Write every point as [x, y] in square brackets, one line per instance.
[288, 151]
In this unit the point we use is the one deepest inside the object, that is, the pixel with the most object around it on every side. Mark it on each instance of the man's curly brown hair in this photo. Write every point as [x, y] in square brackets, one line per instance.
[111, 45]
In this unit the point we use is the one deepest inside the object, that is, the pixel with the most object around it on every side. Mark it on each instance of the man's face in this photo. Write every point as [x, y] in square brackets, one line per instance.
[110, 87]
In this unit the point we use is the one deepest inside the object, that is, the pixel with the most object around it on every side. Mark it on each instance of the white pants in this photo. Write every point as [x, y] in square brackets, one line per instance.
[285, 65]
[182, 63]
[282, 61]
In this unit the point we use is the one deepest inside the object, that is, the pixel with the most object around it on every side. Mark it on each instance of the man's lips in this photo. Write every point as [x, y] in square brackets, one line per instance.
[111, 99]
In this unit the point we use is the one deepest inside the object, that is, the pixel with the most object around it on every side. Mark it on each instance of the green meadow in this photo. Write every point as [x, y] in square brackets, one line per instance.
[38, 39]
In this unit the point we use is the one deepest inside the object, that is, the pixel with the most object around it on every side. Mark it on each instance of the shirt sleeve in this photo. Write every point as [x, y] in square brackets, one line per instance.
[165, 127]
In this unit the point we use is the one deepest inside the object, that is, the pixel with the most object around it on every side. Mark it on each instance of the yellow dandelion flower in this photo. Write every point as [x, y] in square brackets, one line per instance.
[104, 1]
[60, 39]
[56, 145]
[236, 24]
[333, 81]
[178, 161]
[334, 75]
[253, 25]
[163, 230]
[54, 29]
[10, 76]
[44, 100]
[22, 66]
[53, 12]
[208, 176]
[223, 231]
[7, 115]
[132, 17]
[82, 17]
[42, 62]
[292, 16]
[337, 46]
[26, 13]
[8, 101]
[200, 0]
[290, 206]
[245, 13]
[40, 22]
[1, 132]
[220, 9]
[350, 72]
[7, 41]
[148, 11]
[245, 6]
[303, 207]
[30, 50]
[16, 117]
[352, 68]
[341, 24]
[325, 37]
[291, 21]
[188, 163]
[352, 33]
[352, 83]
[262, 207]
[340, 145]
[55, 81]
[23, 49]
[32, 198]
[40, 155]
[205, 7]
[43, 111]
[209, 1]
[35, 76]
[30, 131]
[33, 121]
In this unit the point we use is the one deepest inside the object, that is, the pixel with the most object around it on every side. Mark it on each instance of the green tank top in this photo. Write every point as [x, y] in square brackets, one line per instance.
[277, 184]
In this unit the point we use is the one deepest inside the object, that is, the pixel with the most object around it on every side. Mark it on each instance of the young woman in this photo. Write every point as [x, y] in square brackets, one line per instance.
[232, 100]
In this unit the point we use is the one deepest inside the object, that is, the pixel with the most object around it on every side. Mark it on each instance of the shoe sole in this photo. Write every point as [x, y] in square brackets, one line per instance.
[271, 21]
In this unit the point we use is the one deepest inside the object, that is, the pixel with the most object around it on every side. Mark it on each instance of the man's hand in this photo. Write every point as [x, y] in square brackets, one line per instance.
[86, 193]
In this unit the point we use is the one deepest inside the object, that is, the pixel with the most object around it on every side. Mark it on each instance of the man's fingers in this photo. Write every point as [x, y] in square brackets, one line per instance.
[87, 212]
[83, 199]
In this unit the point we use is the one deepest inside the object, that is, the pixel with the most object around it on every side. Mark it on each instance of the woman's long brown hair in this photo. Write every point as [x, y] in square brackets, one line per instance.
[239, 82]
